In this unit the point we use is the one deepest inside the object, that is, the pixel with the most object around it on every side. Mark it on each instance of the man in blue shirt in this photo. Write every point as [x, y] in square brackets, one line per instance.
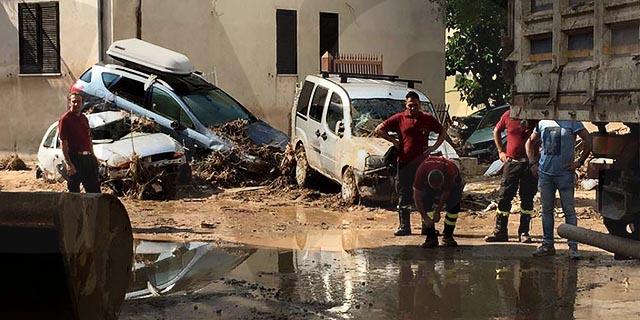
[555, 165]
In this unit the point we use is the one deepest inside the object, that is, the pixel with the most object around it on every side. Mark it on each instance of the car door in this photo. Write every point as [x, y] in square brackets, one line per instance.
[173, 117]
[316, 133]
[48, 155]
[333, 124]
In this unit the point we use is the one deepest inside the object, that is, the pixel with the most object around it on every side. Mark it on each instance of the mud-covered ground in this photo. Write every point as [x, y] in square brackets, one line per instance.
[302, 254]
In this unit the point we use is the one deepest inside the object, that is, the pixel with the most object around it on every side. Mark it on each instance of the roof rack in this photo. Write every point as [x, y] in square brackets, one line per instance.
[345, 76]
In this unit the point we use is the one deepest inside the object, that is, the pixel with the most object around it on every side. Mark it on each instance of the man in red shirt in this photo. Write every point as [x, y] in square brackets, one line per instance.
[75, 138]
[411, 128]
[438, 182]
[516, 175]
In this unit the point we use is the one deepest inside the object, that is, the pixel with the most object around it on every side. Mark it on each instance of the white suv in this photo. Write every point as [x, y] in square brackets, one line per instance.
[333, 122]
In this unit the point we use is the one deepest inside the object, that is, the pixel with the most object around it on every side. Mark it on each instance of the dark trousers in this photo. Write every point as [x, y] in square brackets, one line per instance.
[452, 206]
[517, 176]
[86, 173]
[404, 184]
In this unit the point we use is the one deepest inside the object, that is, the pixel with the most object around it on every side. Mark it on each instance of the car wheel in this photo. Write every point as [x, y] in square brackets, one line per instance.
[39, 173]
[349, 190]
[302, 167]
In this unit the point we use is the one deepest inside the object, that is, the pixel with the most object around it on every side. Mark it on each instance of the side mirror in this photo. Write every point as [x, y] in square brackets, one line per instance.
[339, 130]
[177, 126]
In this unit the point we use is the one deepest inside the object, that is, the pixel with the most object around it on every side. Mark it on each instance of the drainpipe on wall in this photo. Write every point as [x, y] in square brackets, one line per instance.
[100, 29]
[139, 19]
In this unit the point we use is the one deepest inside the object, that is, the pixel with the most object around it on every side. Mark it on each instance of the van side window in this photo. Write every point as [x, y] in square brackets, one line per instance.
[108, 79]
[305, 95]
[49, 142]
[317, 105]
[334, 112]
[86, 76]
[130, 90]
[165, 105]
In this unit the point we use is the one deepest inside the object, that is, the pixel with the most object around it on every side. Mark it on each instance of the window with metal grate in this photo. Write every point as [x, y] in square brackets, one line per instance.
[39, 29]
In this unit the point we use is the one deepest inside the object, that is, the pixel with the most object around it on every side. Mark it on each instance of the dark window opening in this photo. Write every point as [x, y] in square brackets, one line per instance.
[130, 90]
[317, 105]
[305, 95]
[49, 141]
[286, 42]
[39, 37]
[541, 48]
[625, 38]
[329, 33]
[541, 5]
[580, 45]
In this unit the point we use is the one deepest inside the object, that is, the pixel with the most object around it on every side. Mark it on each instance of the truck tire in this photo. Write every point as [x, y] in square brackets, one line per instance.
[303, 171]
[349, 190]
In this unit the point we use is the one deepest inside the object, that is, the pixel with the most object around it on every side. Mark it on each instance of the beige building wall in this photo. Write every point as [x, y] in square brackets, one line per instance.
[29, 104]
[236, 41]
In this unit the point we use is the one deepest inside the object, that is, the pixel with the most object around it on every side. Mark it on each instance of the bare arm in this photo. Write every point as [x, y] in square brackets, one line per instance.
[441, 137]
[382, 133]
[71, 169]
[497, 139]
[417, 198]
[586, 150]
[531, 147]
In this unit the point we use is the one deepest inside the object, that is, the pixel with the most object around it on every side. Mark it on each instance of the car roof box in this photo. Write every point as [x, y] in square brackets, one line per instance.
[136, 53]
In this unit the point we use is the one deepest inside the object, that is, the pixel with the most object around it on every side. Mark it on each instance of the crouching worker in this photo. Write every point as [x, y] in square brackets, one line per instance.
[438, 183]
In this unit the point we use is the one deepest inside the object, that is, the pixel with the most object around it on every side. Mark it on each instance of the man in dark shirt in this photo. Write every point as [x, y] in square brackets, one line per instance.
[516, 175]
[412, 128]
[438, 182]
[75, 138]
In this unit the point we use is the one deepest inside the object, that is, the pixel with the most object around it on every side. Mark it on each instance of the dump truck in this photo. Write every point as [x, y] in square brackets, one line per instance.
[64, 256]
[580, 60]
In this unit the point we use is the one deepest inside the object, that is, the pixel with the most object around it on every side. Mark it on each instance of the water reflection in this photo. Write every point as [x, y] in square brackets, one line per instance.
[383, 283]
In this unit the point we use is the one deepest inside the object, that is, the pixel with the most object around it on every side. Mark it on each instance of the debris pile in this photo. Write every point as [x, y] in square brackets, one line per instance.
[13, 163]
[246, 164]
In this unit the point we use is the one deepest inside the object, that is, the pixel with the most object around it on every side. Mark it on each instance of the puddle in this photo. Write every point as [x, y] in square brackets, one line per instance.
[382, 283]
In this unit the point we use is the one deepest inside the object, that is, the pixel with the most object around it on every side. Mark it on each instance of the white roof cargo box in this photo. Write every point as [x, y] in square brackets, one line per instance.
[150, 56]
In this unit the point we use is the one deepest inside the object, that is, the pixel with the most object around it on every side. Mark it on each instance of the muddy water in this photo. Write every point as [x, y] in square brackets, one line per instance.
[202, 281]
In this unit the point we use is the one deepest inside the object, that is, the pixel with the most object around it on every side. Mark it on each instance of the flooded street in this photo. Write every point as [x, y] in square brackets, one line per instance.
[202, 281]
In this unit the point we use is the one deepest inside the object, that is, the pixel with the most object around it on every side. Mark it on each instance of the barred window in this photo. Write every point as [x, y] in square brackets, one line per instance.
[39, 28]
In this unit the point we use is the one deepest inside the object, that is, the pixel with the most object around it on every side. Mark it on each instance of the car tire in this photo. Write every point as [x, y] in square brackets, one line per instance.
[303, 171]
[39, 173]
[349, 190]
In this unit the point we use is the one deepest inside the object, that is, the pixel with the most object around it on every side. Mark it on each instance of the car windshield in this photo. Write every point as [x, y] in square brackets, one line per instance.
[214, 107]
[492, 118]
[367, 114]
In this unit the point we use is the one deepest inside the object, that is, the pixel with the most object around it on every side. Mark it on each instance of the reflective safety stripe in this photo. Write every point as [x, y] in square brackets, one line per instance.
[502, 213]
[452, 215]
[527, 212]
[431, 214]
[449, 222]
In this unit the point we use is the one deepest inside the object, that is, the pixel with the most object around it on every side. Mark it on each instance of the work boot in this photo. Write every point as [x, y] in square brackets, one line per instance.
[447, 238]
[523, 229]
[404, 229]
[545, 250]
[500, 234]
[432, 239]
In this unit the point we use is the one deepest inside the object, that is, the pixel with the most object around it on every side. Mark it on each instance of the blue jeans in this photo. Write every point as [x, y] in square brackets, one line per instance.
[547, 185]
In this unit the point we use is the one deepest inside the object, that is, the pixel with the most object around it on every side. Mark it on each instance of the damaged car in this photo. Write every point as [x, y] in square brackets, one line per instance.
[480, 143]
[163, 85]
[124, 155]
[333, 121]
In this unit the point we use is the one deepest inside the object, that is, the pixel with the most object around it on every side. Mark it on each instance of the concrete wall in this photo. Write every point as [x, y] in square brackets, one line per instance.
[29, 104]
[237, 41]
[233, 42]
